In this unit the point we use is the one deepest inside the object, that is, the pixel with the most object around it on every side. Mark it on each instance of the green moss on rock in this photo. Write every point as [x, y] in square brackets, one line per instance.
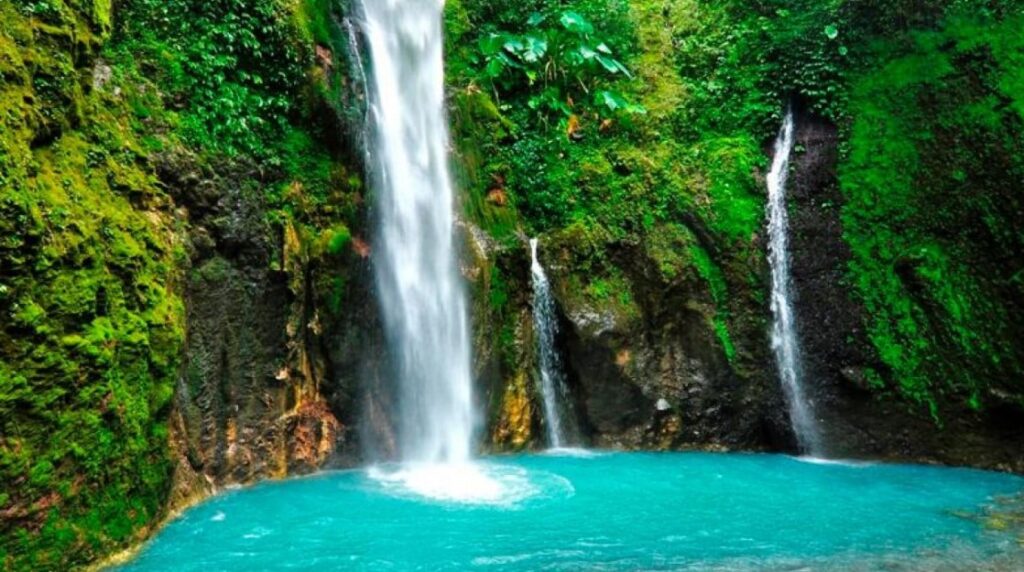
[91, 348]
[92, 246]
[934, 148]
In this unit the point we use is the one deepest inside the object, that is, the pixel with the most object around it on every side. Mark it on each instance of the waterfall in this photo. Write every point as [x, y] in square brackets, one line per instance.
[420, 290]
[552, 377]
[785, 340]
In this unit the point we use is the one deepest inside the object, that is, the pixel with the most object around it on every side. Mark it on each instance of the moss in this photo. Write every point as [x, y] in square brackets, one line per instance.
[715, 278]
[91, 260]
[96, 341]
[213, 271]
[736, 208]
[927, 176]
[101, 15]
[456, 26]
[91, 254]
[313, 21]
[668, 246]
[499, 290]
[931, 122]
[662, 91]
[609, 291]
[676, 251]
[482, 129]
[337, 239]
[622, 181]
[100, 360]
[336, 297]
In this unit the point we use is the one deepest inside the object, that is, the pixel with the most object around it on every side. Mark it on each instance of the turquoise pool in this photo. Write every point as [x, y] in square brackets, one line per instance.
[597, 511]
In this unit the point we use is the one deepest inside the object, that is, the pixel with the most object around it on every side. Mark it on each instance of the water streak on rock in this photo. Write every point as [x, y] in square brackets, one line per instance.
[560, 426]
[785, 337]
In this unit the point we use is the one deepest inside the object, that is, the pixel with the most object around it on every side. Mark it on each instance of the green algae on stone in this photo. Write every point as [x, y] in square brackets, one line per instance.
[93, 257]
[930, 208]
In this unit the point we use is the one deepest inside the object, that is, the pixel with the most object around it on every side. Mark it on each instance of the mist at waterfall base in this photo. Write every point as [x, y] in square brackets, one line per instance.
[785, 336]
[684, 511]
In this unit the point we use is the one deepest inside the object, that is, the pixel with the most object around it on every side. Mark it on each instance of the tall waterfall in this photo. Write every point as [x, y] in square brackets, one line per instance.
[552, 377]
[785, 340]
[421, 294]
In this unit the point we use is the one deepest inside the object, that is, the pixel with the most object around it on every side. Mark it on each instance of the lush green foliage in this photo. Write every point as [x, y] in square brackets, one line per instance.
[561, 62]
[927, 94]
[627, 179]
[227, 66]
[243, 80]
[92, 322]
[93, 257]
[934, 215]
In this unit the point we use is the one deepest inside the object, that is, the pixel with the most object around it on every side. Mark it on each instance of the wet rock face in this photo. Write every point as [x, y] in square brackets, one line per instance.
[859, 420]
[647, 363]
[504, 358]
[269, 375]
[831, 333]
[647, 367]
[652, 373]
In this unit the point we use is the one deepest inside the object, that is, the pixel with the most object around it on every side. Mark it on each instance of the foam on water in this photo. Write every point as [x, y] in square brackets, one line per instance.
[463, 483]
[572, 452]
[835, 462]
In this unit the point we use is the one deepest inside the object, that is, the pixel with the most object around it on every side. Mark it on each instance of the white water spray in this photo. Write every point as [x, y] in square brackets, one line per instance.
[785, 340]
[421, 293]
[561, 431]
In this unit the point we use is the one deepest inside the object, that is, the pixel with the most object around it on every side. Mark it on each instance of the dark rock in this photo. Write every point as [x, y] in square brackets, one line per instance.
[270, 375]
[859, 420]
[650, 371]
[856, 377]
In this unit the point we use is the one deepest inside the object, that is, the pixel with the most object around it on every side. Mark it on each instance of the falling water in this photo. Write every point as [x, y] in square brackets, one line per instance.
[421, 294]
[785, 341]
[552, 376]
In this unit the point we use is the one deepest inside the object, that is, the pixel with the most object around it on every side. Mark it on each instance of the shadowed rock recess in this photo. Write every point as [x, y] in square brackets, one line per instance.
[187, 298]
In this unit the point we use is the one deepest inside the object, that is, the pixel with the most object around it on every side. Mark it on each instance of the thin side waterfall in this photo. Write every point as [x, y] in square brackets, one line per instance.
[561, 431]
[785, 340]
[421, 292]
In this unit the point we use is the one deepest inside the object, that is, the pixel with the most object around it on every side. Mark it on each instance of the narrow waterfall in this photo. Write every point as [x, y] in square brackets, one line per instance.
[785, 339]
[421, 293]
[561, 431]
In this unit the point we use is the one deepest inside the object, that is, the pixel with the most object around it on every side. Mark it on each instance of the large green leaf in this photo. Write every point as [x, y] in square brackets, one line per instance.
[611, 100]
[491, 44]
[613, 65]
[576, 23]
[536, 47]
[494, 68]
[614, 102]
[514, 45]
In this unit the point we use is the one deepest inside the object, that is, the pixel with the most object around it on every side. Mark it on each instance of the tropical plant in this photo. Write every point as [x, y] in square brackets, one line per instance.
[561, 62]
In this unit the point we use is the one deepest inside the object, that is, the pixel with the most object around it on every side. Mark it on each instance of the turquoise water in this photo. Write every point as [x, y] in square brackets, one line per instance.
[687, 511]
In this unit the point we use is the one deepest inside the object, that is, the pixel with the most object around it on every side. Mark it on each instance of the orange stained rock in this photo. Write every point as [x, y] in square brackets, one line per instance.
[514, 426]
[361, 247]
